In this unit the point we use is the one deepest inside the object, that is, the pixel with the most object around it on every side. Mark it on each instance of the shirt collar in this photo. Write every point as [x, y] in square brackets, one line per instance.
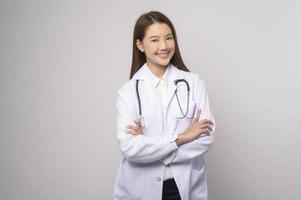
[171, 73]
[154, 80]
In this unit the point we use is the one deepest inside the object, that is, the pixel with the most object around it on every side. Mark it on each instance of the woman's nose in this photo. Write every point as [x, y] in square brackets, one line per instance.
[163, 45]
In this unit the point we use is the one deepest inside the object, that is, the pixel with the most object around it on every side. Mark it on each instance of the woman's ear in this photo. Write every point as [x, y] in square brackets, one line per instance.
[139, 45]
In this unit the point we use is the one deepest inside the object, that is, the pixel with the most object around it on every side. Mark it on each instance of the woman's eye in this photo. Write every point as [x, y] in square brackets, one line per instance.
[170, 38]
[154, 40]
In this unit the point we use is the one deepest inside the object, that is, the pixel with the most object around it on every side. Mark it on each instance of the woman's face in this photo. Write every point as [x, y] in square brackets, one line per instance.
[158, 45]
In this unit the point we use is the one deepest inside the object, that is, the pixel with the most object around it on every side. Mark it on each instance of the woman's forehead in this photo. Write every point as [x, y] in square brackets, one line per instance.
[158, 30]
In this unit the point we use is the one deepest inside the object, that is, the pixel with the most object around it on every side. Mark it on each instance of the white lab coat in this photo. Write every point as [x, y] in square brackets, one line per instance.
[140, 174]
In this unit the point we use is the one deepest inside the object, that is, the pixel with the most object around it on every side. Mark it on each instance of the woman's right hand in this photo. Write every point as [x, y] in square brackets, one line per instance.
[195, 129]
[134, 129]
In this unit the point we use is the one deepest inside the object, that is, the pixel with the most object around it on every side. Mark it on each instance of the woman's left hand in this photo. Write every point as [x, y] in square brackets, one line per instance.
[134, 129]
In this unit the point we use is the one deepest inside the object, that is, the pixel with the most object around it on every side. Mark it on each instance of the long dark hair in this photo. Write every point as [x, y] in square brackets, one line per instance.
[143, 22]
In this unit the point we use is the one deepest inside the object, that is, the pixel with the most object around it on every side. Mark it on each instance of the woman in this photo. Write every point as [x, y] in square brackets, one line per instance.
[164, 123]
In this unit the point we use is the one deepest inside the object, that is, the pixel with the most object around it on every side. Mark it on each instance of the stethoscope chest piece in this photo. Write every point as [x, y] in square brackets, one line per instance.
[141, 121]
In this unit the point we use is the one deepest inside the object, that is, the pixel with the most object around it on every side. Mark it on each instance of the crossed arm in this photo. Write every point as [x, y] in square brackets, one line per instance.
[167, 148]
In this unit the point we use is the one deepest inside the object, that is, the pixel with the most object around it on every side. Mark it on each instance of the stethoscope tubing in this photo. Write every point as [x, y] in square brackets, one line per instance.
[175, 93]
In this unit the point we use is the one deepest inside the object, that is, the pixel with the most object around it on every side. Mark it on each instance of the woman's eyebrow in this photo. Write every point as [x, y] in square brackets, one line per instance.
[156, 36]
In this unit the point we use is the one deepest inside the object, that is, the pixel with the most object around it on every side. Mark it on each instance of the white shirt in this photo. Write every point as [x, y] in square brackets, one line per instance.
[161, 91]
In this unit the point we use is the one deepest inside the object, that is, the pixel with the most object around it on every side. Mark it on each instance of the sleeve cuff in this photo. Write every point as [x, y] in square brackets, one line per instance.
[173, 146]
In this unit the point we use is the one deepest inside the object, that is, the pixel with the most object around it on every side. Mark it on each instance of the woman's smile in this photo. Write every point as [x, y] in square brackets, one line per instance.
[163, 55]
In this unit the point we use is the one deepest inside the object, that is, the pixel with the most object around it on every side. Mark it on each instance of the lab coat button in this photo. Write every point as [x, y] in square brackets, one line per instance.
[158, 179]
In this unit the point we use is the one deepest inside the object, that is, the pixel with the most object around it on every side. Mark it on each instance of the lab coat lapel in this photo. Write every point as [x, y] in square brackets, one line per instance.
[148, 94]
[143, 74]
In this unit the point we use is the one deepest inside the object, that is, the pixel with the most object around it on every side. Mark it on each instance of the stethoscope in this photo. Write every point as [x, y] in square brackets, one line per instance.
[140, 117]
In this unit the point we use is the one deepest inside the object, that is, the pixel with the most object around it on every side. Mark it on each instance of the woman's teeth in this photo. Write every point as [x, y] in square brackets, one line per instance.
[163, 55]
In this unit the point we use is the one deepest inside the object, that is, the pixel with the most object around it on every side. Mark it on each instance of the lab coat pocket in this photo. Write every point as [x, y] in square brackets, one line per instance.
[133, 180]
[198, 163]
[198, 185]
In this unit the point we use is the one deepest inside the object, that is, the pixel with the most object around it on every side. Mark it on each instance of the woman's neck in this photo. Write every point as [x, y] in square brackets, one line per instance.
[157, 70]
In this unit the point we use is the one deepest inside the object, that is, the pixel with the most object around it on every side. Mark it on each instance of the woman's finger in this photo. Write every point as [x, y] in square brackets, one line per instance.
[197, 115]
[205, 127]
[137, 128]
[132, 127]
[206, 121]
[131, 131]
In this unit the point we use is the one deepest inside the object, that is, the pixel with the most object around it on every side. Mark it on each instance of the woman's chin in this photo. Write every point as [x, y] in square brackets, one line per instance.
[164, 62]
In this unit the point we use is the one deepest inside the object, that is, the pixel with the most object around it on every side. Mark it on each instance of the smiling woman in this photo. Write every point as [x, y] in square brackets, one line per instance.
[163, 155]
[155, 35]
[158, 45]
